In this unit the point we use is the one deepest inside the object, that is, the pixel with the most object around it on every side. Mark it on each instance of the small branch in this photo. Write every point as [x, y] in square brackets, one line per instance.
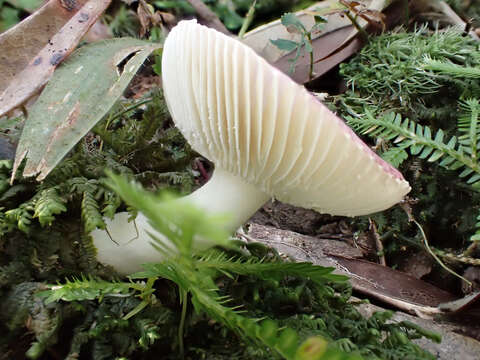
[208, 17]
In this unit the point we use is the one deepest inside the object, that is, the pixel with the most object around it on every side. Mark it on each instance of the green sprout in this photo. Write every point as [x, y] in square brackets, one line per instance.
[294, 25]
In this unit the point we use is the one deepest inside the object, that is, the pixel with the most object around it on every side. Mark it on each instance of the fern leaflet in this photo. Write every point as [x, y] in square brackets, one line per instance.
[449, 68]
[455, 153]
[49, 204]
[267, 270]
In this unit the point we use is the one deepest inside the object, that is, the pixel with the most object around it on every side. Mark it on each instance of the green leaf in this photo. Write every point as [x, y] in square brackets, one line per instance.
[293, 23]
[48, 205]
[8, 18]
[395, 156]
[284, 44]
[80, 93]
[312, 349]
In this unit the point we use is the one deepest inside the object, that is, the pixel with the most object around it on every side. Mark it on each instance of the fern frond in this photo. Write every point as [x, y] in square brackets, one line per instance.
[91, 215]
[395, 156]
[449, 68]
[49, 204]
[469, 127]
[205, 298]
[21, 217]
[267, 270]
[111, 202]
[420, 141]
[86, 289]
[476, 236]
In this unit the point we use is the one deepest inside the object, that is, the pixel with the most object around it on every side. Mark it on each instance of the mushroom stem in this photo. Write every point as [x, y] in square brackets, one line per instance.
[228, 194]
[127, 245]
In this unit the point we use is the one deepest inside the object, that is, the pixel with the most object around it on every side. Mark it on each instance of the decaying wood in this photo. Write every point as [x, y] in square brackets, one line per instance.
[430, 300]
[392, 287]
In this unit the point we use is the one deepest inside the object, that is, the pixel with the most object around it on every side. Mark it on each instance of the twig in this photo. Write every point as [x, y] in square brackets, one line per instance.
[378, 242]
[208, 17]
[248, 19]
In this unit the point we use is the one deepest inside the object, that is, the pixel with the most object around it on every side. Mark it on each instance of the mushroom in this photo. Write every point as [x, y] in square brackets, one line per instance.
[267, 136]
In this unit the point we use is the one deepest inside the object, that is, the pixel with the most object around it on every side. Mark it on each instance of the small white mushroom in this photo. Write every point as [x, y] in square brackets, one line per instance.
[267, 136]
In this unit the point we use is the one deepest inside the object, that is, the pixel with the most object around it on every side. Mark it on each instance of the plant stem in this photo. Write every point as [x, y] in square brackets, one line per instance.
[437, 259]
[126, 110]
[361, 31]
[248, 19]
[309, 38]
[181, 326]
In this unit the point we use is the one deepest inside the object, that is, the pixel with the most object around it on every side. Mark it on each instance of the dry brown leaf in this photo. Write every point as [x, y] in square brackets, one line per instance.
[325, 48]
[30, 51]
[148, 17]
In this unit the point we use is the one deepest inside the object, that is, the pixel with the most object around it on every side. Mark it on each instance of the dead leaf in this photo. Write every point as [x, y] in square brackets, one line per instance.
[336, 41]
[79, 94]
[144, 13]
[30, 51]
[380, 281]
[325, 48]
[149, 17]
[325, 42]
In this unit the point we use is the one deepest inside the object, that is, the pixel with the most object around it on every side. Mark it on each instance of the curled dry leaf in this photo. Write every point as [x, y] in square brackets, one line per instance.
[79, 94]
[30, 51]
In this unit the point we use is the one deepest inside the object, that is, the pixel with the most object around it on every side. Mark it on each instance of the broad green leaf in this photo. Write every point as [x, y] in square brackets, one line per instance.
[79, 94]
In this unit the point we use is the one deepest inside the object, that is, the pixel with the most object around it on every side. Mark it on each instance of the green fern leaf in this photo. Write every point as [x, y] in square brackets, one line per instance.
[85, 289]
[91, 215]
[449, 68]
[49, 204]
[468, 126]
[476, 236]
[267, 270]
[21, 217]
[418, 140]
[395, 156]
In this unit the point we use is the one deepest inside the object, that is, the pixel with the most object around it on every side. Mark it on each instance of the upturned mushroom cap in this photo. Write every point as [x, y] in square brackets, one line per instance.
[253, 121]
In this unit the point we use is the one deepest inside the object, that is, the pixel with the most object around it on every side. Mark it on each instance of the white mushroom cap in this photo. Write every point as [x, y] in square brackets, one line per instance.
[254, 122]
